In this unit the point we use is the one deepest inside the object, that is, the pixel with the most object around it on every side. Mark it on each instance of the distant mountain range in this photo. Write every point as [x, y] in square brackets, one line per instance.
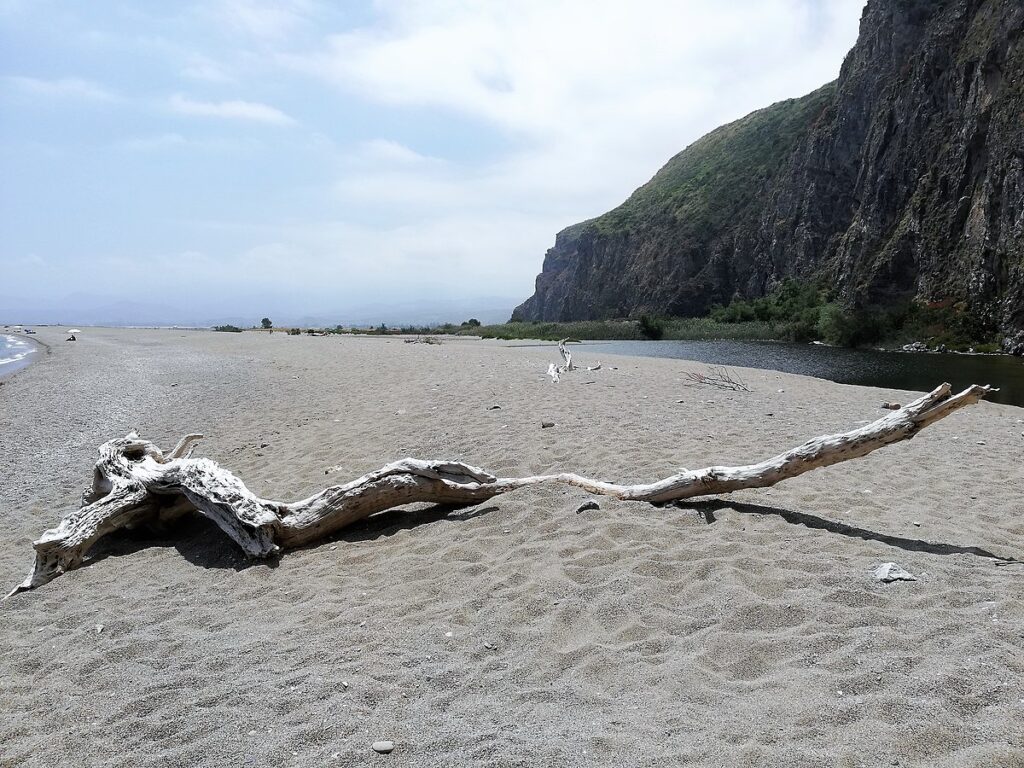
[902, 181]
[92, 310]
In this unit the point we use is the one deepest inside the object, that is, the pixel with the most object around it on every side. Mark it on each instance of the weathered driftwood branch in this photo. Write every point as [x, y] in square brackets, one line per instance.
[719, 377]
[566, 355]
[555, 371]
[135, 483]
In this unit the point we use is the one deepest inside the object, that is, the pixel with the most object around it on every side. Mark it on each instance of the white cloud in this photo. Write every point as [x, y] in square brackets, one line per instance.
[351, 261]
[200, 67]
[235, 110]
[31, 261]
[593, 98]
[68, 87]
[558, 68]
[271, 21]
[388, 152]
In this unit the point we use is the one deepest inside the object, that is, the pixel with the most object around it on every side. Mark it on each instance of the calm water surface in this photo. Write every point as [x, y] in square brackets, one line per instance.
[893, 370]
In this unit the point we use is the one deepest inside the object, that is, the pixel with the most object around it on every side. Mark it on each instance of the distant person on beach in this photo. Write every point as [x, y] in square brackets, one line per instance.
[72, 338]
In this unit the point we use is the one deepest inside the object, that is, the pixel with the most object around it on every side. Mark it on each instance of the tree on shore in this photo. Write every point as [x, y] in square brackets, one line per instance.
[267, 325]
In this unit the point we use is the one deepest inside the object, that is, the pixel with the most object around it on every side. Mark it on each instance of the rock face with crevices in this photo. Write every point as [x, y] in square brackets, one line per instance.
[903, 180]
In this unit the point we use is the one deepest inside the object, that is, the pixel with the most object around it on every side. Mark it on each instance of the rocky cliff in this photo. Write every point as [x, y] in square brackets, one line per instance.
[903, 180]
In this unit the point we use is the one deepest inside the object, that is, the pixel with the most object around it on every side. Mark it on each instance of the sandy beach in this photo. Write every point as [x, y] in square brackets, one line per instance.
[736, 631]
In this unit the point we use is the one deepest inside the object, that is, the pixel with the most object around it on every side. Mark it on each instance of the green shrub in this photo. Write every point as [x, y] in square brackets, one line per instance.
[589, 329]
[227, 328]
[789, 303]
[651, 328]
[834, 325]
[853, 328]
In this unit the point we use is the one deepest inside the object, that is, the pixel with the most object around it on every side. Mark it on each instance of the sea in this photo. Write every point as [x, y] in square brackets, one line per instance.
[15, 353]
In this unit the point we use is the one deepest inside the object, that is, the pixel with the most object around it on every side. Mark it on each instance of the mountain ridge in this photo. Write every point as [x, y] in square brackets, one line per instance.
[902, 181]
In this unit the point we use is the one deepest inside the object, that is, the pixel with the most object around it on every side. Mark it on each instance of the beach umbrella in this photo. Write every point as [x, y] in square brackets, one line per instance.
[74, 330]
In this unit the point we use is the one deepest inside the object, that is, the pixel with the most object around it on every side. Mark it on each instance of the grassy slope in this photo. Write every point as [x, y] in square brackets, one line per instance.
[712, 182]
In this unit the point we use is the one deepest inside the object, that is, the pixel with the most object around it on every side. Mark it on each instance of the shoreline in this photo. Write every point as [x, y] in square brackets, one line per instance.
[13, 366]
[881, 369]
[541, 343]
[371, 333]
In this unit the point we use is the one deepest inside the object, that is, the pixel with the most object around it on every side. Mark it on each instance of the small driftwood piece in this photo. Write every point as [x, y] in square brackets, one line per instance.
[566, 355]
[134, 483]
[555, 371]
[719, 377]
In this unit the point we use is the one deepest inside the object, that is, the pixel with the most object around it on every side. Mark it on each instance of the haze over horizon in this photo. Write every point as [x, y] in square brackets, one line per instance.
[233, 159]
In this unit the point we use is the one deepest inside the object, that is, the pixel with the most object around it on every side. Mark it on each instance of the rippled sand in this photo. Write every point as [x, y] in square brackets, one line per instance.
[739, 631]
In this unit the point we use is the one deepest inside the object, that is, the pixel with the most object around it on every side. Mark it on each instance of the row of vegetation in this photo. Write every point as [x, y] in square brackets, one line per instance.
[806, 312]
[795, 311]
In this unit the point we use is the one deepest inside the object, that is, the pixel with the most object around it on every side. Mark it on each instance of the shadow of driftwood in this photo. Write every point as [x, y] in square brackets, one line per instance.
[195, 538]
[706, 509]
[202, 543]
[389, 523]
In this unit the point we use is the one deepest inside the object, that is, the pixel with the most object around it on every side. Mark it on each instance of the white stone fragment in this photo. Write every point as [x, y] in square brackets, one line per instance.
[888, 572]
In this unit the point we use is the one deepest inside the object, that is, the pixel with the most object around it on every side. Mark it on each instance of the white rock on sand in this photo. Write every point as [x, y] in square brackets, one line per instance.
[626, 636]
[889, 572]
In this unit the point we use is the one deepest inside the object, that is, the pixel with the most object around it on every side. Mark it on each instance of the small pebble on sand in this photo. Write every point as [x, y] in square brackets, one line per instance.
[383, 747]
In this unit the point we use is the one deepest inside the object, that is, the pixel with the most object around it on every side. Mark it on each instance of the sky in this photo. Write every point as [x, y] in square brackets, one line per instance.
[385, 160]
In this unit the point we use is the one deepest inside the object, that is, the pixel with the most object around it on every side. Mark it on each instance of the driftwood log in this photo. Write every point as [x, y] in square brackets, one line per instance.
[134, 484]
[566, 355]
[555, 371]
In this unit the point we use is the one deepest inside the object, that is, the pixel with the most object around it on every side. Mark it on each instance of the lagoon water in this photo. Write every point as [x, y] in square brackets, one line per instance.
[873, 368]
[15, 352]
